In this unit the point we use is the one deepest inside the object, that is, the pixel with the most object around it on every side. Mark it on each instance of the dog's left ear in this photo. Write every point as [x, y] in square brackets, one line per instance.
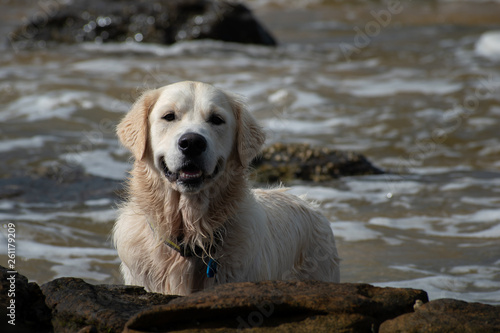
[133, 129]
[249, 135]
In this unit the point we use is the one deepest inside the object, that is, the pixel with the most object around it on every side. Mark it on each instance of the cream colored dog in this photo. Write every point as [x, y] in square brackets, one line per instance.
[191, 220]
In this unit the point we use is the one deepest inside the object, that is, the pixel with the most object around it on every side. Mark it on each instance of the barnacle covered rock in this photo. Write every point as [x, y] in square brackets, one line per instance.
[286, 162]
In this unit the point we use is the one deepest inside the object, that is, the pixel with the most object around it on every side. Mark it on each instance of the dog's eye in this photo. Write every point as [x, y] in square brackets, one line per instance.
[216, 119]
[169, 116]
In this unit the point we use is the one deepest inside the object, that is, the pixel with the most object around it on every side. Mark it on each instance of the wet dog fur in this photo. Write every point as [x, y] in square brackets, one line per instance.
[192, 145]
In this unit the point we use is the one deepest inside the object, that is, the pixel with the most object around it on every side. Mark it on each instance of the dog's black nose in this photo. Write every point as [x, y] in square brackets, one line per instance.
[192, 144]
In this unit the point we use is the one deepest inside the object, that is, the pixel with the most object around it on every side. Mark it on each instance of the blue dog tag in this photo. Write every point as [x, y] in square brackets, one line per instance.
[211, 268]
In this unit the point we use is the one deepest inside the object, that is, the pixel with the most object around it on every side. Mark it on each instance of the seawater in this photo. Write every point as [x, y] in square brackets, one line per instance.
[421, 99]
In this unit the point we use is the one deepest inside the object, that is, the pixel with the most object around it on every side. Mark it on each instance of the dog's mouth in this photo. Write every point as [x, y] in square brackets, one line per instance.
[189, 174]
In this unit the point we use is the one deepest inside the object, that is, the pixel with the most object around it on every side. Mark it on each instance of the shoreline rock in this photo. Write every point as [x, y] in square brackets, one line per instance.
[309, 306]
[72, 305]
[162, 22]
[76, 304]
[23, 302]
[295, 161]
[442, 314]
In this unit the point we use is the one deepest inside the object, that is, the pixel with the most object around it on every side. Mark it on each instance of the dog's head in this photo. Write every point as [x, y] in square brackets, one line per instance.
[189, 132]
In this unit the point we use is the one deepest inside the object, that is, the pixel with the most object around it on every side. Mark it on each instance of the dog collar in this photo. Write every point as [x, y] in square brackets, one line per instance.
[187, 251]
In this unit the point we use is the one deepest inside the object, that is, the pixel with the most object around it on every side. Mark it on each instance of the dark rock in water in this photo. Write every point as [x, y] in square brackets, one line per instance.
[285, 162]
[10, 191]
[78, 305]
[58, 184]
[161, 21]
[280, 306]
[447, 315]
[23, 304]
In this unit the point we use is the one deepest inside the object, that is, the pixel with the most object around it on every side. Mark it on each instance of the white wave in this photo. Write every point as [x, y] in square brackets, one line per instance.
[433, 170]
[354, 231]
[488, 45]
[139, 48]
[481, 201]
[191, 47]
[99, 163]
[285, 3]
[385, 184]
[111, 66]
[322, 194]
[296, 99]
[492, 232]
[59, 104]
[484, 215]
[397, 81]
[337, 197]
[36, 141]
[308, 100]
[100, 216]
[456, 283]
[34, 250]
[99, 202]
[480, 224]
[415, 222]
[304, 127]
[376, 190]
[455, 186]
[377, 87]
[438, 287]
[71, 261]
[6, 205]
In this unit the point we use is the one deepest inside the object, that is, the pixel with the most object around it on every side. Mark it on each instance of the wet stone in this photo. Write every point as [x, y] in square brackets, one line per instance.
[447, 315]
[286, 162]
[162, 22]
[279, 306]
[77, 305]
[23, 302]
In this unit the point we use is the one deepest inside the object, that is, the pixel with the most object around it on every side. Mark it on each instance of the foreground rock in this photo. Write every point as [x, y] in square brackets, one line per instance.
[447, 315]
[162, 21]
[285, 162]
[72, 305]
[76, 304]
[22, 305]
[280, 306]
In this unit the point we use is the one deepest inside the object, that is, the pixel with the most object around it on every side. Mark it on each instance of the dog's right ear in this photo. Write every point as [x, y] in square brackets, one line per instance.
[133, 130]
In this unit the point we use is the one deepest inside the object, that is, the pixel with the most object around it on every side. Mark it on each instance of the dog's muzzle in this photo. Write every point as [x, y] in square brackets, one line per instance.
[192, 172]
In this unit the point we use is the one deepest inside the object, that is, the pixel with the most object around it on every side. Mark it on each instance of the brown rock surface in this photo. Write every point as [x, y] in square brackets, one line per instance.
[284, 162]
[280, 306]
[78, 305]
[447, 315]
[29, 311]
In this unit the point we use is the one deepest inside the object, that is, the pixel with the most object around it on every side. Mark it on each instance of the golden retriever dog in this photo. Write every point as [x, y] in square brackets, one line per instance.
[190, 220]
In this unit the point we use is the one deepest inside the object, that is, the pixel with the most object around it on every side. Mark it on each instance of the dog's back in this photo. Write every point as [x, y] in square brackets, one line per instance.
[278, 236]
[299, 230]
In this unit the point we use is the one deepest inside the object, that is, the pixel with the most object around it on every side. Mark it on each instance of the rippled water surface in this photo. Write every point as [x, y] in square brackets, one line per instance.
[416, 90]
